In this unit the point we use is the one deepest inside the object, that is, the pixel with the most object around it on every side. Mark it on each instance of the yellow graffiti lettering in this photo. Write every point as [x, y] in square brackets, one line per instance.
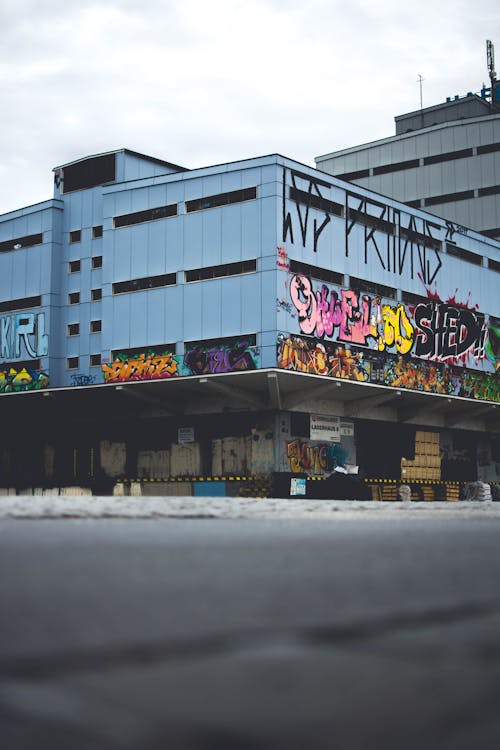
[143, 367]
[397, 331]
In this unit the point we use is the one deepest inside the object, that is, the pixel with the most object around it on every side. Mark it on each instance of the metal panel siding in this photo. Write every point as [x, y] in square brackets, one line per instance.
[192, 311]
[250, 294]
[211, 243]
[211, 309]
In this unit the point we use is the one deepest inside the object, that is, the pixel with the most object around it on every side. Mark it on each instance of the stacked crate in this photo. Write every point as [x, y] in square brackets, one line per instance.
[426, 465]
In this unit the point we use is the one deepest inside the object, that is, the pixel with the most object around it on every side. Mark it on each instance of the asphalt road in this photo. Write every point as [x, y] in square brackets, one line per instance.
[342, 633]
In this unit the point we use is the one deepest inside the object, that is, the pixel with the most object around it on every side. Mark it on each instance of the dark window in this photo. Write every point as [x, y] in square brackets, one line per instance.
[321, 274]
[21, 304]
[97, 261]
[73, 329]
[150, 214]
[20, 242]
[414, 204]
[96, 232]
[411, 235]
[396, 166]
[72, 363]
[88, 173]
[73, 298]
[29, 364]
[368, 220]
[379, 290]
[222, 199]
[490, 148]
[95, 326]
[449, 198]
[316, 201]
[300, 424]
[413, 299]
[74, 266]
[95, 360]
[493, 190]
[95, 295]
[75, 236]
[494, 265]
[150, 282]
[136, 351]
[249, 338]
[448, 156]
[459, 252]
[491, 232]
[217, 272]
[354, 175]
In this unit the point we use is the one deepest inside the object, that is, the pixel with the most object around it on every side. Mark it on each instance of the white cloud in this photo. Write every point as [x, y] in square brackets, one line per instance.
[199, 83]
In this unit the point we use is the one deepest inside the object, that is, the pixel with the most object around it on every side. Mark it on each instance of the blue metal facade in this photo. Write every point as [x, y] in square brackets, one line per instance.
[298, 216]
[138, 270]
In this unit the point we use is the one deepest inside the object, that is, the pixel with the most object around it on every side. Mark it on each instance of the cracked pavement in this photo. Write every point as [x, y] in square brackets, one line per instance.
[354, 629]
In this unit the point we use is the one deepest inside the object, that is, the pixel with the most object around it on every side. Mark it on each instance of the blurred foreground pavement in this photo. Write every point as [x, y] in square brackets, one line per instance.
[205, 624]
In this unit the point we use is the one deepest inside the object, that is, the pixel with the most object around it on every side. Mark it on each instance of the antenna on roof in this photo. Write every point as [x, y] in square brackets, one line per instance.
[419, 80]
[490, 57]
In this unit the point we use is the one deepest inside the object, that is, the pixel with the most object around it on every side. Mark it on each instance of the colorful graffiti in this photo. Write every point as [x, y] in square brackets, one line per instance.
[23, 332]
[328, 359]
[312, 458]
[13, 380]
[146, 366]
[439, 331]
[227, 357]
[235, 356]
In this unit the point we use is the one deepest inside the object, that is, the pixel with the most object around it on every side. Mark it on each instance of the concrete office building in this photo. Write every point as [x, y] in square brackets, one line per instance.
[236, 326]
[444, 159]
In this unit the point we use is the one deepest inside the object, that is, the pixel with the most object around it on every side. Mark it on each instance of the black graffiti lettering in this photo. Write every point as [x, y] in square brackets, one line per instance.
[424, 344]
[448, 331]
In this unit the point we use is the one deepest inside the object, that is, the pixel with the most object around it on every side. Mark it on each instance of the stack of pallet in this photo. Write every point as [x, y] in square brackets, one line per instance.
[428, 493]
[389, 492]
[427, 462]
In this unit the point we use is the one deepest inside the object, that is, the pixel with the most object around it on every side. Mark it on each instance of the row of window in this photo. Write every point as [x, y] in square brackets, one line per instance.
[73, 363]
[73, 329]
[415, 163]
[164, 212]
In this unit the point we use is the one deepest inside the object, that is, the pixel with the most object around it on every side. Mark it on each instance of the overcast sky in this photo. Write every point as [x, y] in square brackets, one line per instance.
[199, 82]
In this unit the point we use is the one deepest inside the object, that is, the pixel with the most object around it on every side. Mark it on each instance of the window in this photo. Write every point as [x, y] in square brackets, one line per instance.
[21, 304]
[379, 290]
[95, 326]
[95, 295]
[459, 252]
[150, 214]
[396, 166]
[75, 236]
[493, 190]
[449, 156]
[150, 282]
[413, 299]
[96, 232]
[73, 329]
[358, 175]
[97, 261]
[74, 266]
[72, 363]
[87, 173]
[449, 198]
[136, 351]
[20, 242]
[222, 199]
[73, 298]
[321, 274]
[216, 272]
[490, 148]
[316, 201]
[95, 360]
[494, 265]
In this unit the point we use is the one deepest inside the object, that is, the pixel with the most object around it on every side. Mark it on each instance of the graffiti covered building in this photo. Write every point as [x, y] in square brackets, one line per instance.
[257, 318]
